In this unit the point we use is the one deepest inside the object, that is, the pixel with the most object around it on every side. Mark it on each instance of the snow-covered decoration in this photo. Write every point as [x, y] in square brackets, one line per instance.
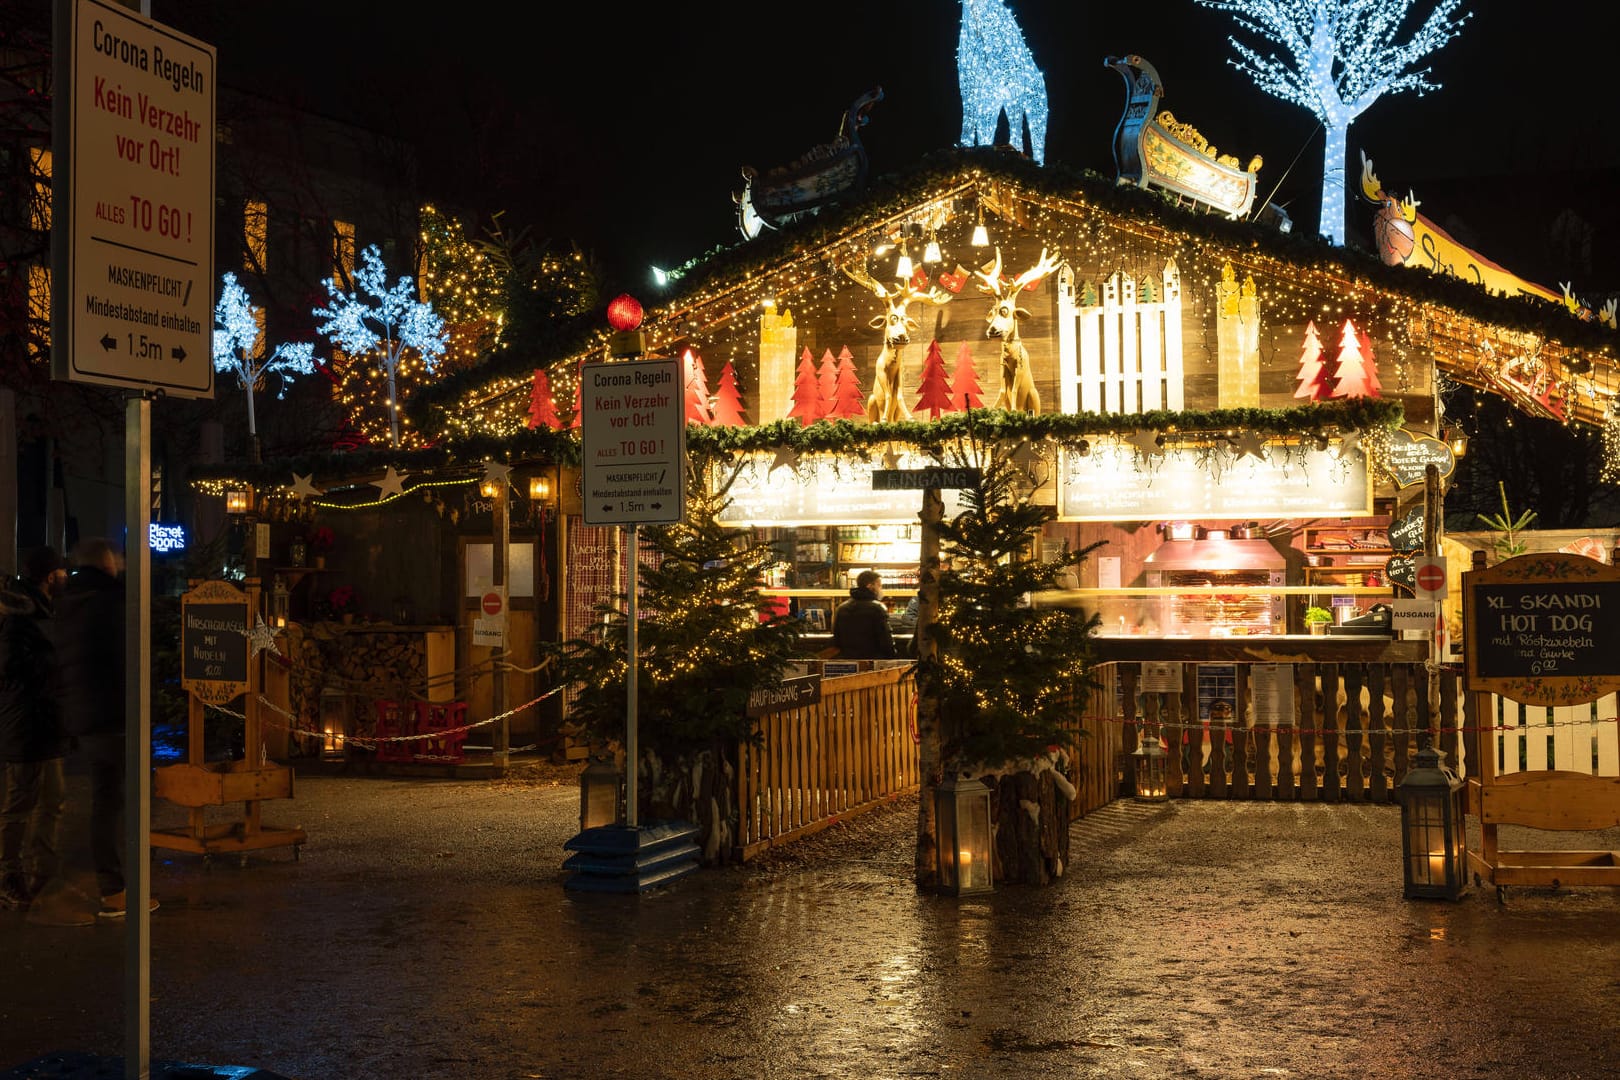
[1336, 58]
[260, 638]
[1405, 237]
[1018, 391]
[238, 347]
[1118, 350]
[996, 72]
[1237, 341]
[389, 321]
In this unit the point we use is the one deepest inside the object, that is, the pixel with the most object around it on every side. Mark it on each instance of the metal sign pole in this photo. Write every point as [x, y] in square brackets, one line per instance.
[137, 739]
[632, 673]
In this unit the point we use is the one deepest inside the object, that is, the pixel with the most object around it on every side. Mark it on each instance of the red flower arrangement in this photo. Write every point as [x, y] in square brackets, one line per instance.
[342, 599]
[321, 539]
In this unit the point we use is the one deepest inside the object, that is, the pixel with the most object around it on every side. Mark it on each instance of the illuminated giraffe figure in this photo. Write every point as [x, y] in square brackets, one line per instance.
[996, 71]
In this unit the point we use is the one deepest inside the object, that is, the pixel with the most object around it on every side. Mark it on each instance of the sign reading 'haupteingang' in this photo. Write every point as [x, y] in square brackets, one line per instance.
[1543, 629]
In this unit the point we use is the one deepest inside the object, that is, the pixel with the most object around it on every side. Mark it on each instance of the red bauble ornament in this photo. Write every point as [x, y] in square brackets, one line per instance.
[624, 312]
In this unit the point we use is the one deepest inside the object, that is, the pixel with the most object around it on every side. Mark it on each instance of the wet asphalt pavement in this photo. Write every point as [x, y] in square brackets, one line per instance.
[426, 933]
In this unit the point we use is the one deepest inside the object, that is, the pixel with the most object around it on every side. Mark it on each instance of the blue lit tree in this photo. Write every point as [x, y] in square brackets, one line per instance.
[389, 322]
[239, 348]
[1337, 58]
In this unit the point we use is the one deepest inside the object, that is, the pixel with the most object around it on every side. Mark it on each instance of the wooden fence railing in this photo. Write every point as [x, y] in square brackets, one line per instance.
[857, 748]
[841, 756]
[1355, 729]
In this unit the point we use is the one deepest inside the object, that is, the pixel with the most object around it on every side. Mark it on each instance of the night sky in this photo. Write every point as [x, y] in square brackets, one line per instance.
[627, 133]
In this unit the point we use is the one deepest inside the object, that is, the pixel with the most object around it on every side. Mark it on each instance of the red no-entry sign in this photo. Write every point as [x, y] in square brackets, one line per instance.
[1429, 577]
[492, 603]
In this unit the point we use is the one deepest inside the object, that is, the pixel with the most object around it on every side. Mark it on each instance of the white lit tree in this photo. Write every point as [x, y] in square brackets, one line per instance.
[239, 348]
[1336, 58]
[388, 322]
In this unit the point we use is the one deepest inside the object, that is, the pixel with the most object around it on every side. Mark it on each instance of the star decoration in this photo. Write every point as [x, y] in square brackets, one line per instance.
[261, 637]
[891, 458]
[1249, 444]
[392, 483]
[501, 474]
[302, 487]
[1349, 443]
[785, 455]
[1147, 442]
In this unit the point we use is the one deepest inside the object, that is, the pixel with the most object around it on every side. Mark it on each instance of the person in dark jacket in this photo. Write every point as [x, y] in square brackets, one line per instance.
[861, 623]
[90, 658]
[33, 746]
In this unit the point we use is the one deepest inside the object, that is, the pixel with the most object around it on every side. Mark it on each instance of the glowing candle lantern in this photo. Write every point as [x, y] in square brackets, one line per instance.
[1432, 838]
[962, 821]
[1150, 764]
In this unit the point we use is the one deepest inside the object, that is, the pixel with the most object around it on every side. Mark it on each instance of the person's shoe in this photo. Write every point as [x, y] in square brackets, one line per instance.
[112, 907]
[13, 892]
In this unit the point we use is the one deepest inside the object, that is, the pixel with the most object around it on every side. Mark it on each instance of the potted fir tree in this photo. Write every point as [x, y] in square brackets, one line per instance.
[706, 642]
[1003, 676]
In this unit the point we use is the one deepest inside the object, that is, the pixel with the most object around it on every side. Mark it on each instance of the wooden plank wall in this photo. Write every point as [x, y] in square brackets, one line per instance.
[1355, 730]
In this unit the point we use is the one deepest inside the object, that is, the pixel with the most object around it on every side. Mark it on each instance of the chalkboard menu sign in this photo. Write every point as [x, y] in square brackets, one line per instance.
[1401, 570]
[1406, 535]
[1543, 629]
[1410, 453]
[213, 642]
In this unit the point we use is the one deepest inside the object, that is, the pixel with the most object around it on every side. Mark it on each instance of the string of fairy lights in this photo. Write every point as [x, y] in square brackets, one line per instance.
[719, 324]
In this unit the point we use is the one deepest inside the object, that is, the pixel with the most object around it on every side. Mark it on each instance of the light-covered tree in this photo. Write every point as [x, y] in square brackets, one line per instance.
[1336, 58]
[239, 349]
[389, 321]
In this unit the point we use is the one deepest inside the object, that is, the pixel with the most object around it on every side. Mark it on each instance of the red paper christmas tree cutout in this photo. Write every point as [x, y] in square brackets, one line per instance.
[1310, 366]
[965, 390]
[933, 390]
[1350, 375]
[827, 380]
[807, 404]
[728, 406]
[542, 409]
[697, 389]
[848, 402]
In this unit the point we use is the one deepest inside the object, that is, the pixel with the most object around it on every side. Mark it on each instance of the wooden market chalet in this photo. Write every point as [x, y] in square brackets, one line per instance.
[1241, 415]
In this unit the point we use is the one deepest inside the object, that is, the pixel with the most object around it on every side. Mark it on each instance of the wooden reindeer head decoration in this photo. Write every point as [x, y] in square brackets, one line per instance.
[1002, 322]
[886, 402]
[1017, 380]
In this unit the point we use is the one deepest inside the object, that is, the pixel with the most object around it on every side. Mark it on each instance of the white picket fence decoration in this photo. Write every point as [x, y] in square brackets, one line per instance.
[1120, 355]
[1570, 738]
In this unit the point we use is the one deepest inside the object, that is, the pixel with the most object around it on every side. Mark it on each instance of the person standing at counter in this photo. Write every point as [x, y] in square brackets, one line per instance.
[861, 623]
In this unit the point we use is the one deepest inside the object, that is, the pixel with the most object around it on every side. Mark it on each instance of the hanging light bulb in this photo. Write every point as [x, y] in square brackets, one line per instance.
[902, 265]
[981, 235]
[931, 252]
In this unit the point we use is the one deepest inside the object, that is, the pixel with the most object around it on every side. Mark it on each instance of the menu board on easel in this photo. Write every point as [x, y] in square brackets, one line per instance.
[214, 642]
[1543, 629]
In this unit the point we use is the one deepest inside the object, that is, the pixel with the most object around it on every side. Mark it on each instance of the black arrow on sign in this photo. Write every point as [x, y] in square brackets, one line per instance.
[607, 508]
[108, 343]
[656, 506]
[177, 353]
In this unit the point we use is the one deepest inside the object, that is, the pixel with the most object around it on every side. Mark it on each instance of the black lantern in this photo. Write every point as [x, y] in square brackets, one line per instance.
[962, 823]
[1151, 767]
[601, 792]
[1432, 847]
